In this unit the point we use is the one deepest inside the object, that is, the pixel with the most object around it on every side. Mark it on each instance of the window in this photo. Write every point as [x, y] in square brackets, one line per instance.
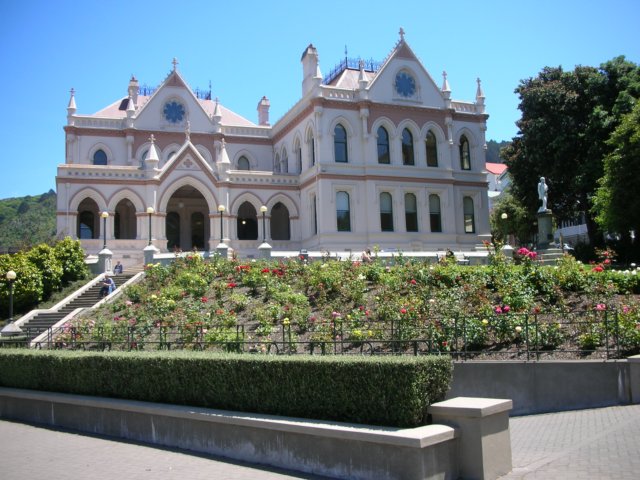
[312, 150]
[410, 212]
[386, 212]
[144, 158]
[407, 148]
[343, 212]
[100, 158]
[432, 149]
[383, 146]
[340, 144]
[276, 164]
[247, 222]
[435, 217]
[469, 221]
[315, 216]
[280, 228]
[285, 162]
[298, 150]
[465, 155]
[243, 163]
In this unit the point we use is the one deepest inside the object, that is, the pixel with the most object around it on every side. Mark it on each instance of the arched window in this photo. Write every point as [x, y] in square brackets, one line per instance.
[343, 212]
[298, 149]
[465, 154]
[469, 217]
[285, 162]
[407, 148]
[435, 217]
[124, 221]
[143, 158]
[88, 225]
[315, 216]
[99, 157]
[383, 146]
[247, 222]
[276, 164]
[432, 149]
[280, 229]
[386, 212]
[340, 144]
[243, 163]
[410, 212]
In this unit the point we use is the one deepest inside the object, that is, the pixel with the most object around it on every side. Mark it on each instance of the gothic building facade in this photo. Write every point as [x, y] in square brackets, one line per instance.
[371, 154]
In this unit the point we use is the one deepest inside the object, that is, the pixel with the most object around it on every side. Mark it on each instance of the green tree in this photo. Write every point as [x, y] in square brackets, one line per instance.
[617, 203]
[71, 257]
[44, 258]
[567, 118]
[519, 222]
[27, 289]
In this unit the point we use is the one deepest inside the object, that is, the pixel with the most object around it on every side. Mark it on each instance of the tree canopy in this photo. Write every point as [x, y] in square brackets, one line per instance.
[567, 120]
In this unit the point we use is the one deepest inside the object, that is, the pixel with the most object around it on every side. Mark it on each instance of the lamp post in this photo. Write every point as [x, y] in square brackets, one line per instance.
[504, 217]
[11, 328]
[150, 212]
[263, 209]
[221, 209]
[104, 216]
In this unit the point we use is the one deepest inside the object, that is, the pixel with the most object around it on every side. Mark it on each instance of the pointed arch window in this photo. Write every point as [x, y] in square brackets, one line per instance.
[298, 150]
[243, 163]
[247, 222]
[465, 154]
[312, 150]
[435, 216]
[383, 146]
[340, 144]
[99, 157]
[407, 148]
[469, 217]
[410, 212]
[432, 149]
[285, 162]
[276, 164]
[343, 212]
[280, 225]
[315, 215]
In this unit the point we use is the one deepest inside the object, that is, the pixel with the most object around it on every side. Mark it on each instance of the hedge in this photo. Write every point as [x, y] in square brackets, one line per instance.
[391, 391]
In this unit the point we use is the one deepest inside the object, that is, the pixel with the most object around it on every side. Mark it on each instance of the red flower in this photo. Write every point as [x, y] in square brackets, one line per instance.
[597, 268]
[204, 299]
[607, 261]
[265, 270]
[445, 343]
[498, 309]
[403, 311]
[413, 282]
[506, 309]
[232, 285]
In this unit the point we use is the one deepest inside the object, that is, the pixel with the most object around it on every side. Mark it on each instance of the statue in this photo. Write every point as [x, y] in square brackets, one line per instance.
[542, 194]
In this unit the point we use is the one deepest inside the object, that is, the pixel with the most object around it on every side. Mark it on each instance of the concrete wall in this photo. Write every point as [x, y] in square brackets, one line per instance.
[546, 386]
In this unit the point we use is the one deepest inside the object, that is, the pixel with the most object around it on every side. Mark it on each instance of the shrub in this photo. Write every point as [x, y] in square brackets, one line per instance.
[71, 257]
[393, 391]
[27, 287]
[46, 261]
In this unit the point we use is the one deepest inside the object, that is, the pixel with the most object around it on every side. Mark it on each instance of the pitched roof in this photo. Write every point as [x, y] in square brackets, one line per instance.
[496, 168]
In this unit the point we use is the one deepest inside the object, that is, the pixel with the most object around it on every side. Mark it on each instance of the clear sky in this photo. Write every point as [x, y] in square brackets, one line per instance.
[248, 49]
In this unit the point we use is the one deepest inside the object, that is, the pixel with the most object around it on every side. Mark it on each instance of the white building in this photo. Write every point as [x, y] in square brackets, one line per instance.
[372, 154]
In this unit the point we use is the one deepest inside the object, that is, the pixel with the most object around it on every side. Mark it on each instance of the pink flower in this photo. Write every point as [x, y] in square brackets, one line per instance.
[204, 299]
[523, 251]
[498, 309]
[607, 261]
[403, 311]
[413, 282]
[597, 268]
[506, 309]
[601, 306]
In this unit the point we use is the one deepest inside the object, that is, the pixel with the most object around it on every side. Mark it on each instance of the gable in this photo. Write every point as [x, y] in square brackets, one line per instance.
[188, 160]
[404, 80]
[171, 106]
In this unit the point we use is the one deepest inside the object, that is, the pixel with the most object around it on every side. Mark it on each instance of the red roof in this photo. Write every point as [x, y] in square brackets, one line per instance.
[496, 168]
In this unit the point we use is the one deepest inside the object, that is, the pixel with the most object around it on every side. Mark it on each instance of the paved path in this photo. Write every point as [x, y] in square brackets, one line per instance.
[602, 443]
[594, 444]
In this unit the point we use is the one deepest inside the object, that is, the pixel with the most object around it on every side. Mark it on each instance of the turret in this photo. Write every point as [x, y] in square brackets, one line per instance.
[263, 111]
[311, 76]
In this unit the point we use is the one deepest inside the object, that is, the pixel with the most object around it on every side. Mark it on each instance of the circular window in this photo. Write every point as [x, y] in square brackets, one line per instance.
[173, 112]
[405, 84]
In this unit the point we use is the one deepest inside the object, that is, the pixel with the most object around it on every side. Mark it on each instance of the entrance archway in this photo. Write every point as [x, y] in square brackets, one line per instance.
[88, 220]
[124, 223]
[187, 224]
[247, 222]
[280, 229]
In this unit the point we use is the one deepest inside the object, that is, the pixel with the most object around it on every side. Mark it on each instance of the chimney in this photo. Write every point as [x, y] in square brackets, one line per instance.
[133, 89]
[311, 76]
[263, 112]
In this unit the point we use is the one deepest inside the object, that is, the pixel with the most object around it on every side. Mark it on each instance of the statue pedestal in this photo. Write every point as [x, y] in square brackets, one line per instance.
[545, 229]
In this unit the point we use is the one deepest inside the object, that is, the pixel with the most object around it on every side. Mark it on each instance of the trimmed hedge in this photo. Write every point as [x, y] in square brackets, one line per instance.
[392, 391]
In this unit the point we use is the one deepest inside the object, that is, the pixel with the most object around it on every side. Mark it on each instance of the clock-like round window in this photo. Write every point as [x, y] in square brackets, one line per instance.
[405, 84]
[173, 112]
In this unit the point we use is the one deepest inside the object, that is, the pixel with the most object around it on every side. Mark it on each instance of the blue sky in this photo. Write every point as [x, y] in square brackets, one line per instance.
[248, 49]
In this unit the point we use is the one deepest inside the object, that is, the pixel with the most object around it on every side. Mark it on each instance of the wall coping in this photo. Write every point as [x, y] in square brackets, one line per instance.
[471, 407]
[419, 437]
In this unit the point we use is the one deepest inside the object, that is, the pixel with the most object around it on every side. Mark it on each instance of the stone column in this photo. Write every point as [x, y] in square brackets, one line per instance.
[545, 229]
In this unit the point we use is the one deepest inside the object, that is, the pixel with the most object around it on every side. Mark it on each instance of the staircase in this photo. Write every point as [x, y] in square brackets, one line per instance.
[42, 321]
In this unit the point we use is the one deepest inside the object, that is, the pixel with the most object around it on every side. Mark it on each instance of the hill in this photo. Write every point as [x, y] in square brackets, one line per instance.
[493, 150]
[27, 221]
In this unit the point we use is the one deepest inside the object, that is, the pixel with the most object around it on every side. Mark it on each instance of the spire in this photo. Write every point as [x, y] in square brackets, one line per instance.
[479, 98]
[71, 108]
[224, 157]
[445, 83]
[362, 79]
[131, 109]
[152, 157]
[217, 116]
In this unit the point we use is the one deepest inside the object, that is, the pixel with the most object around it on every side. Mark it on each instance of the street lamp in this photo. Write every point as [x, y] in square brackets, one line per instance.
[104, 216]
[263, 209]
[150, 212]
[221, 209]
[504, 217]
[10, 328]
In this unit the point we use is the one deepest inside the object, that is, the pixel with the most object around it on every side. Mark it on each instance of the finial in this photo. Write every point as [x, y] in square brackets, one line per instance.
[401, 32]
[152, 139]
[175, 63]
[445, 82]
[72, 91]
[345, 53]
[479, 92]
